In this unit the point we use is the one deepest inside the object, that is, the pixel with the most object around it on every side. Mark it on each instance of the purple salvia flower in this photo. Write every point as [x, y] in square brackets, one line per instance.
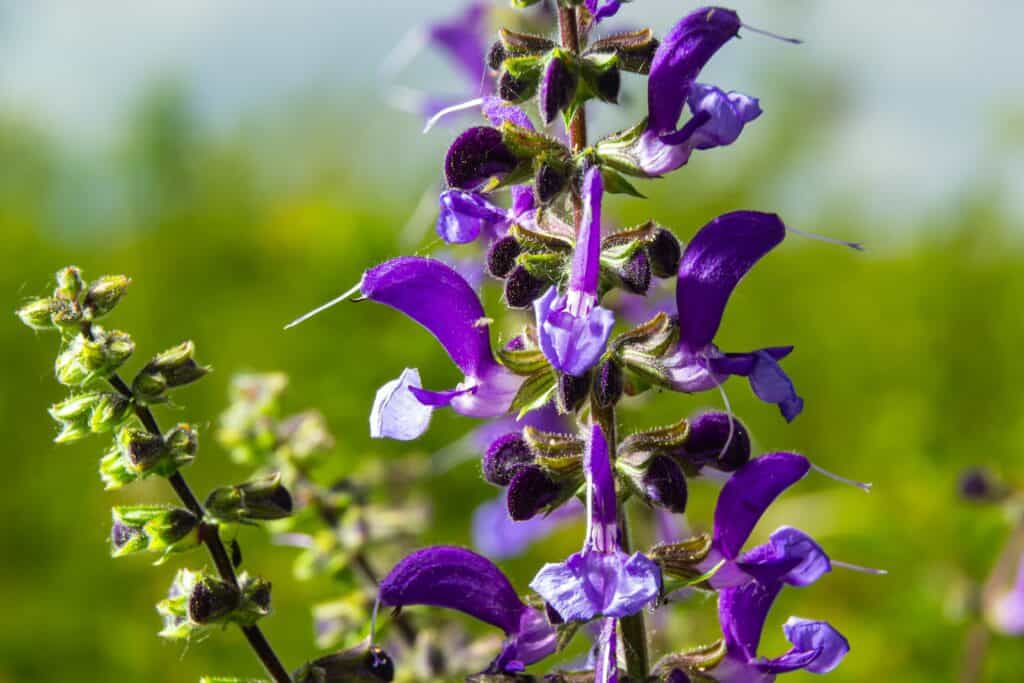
[459, 579]
[572, 328]
[601, 580]
[498, 536]
[714, 262]
[465, 215]
[602, 9]
[718, 117]
[438, 298]
[817, 646]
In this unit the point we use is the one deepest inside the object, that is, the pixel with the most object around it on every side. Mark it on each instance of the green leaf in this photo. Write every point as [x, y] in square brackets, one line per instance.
[616, 184]
[535, 392]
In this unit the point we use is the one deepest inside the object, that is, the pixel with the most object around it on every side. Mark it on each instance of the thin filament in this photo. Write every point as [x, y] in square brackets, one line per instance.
[843, 480]
[451, 110]
[858, 568]
[728, 413]
[776, 36]
[831, 240]
[321, 309]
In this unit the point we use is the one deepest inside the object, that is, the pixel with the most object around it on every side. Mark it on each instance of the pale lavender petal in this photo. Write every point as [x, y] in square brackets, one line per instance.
[601, 499]
[464, 215]
[790, 556]
[713, 263]
[1007, 611]
[572, 343]
[768, 380]
[586, 260]
[606, 668]
[748, 493]
[591, 584]
[817, 647]
[396, 413]
[727, 114]
[534, 640]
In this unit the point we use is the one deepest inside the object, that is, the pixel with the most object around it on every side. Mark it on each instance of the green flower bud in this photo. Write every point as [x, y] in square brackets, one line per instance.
[173, 368]
[38, 313]
[137, 454]
[103, 295]
[109, 412]
[255, 602]
[69, 283]
[91, 413]
[86, 360]
[198, 601]
[153, 528]
[260, 499]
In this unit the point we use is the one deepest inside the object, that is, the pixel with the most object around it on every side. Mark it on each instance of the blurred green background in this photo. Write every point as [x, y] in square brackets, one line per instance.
[908, 356]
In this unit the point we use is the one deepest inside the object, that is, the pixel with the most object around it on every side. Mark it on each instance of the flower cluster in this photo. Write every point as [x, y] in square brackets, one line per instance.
[535, 200]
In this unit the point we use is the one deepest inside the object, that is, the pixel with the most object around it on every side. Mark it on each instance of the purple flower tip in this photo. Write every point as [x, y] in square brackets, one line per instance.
[505, 456]
[530, 491]
[711, 441]
[789, 556]
[477, 155]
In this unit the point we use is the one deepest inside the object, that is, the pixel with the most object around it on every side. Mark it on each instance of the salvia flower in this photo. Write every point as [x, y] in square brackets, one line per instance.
[600, 580]
[459, 579]
[465, 215]
[713, 263]
[817, 646]
[438, 298]
[572, 328]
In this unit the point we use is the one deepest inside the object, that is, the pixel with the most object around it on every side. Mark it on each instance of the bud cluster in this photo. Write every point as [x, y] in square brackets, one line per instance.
[197, 602]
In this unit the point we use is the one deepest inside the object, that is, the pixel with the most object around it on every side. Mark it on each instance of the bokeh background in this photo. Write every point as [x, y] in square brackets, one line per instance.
[244, 162]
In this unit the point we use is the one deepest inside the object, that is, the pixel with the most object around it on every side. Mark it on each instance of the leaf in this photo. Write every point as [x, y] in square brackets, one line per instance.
[536, 391]
[616, 184]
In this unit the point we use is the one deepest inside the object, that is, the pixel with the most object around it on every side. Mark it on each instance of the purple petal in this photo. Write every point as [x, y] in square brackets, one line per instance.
[683, 52]
[606, 668]
[1007, 610]
[727, 114]
[522, 200]
[790, 556]
[713, 264]
[573, 343]
[498, 112]
[396, 413]
[464, 215]
[586, 260]
[591, 583]
[557, 86]
[602, 9]
[817, 647]
[604, 523]
[498, 536]
[748, 493]
[534, 640]
[464, 38]
[458, 579]
[741, 613]
[769, 381]
[438, 298]
[475, 156]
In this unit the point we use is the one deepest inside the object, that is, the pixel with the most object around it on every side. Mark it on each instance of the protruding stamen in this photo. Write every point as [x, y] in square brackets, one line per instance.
[321, 309]
[831, 240]
[451, 110]
[843, 480]
[776, 36]
[373, 621]
[732, 422]
[858, 568]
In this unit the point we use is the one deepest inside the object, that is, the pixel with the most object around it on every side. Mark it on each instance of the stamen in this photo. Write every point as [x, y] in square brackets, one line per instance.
[728, 414]
[321, 309]
[373, 621]
[822, 238]
[776, 36]
[858, 568]
[451, 110]
[843, 480]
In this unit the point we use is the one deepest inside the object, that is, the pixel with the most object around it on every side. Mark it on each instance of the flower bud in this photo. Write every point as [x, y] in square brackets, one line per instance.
[211, 600]
[522, 288]
[980, 485]
[665, 253]
[69, 283]
[108, 413]
[636, 273]
[103, 295]
[548, 184]
[708, 442]
[571, 392]
[152, 528]
[515, 89]
[607, 84]
[557, 89]
[91, 413]
[255, 603]
[505, 456]
[607, 384]
[195, 601]
[665, 485]
[496, 55]
[85, 360]
[137, 454]
[501, 256]
[529, 492]
[173, 368]
[38, 313]
[260, 499]
[475, 156]
[360, 664]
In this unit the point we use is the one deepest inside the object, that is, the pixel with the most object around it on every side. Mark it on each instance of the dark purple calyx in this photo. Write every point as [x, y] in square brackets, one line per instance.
[665, 485]
[607, 384]
[505, 457]
[572, 391]
[711, 442]
[529, 492]
[548, 183]
[665, 253]
[501, 256]
[557, 88]
[477, 155]
[522, 288]
[636, 274]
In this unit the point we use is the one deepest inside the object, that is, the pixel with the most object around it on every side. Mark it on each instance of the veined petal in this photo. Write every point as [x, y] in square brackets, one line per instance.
[606, 667]
[790, 556]
[438, 298]
[591, 584]
[498, 112]
[727, 114]
[683, 52]
[396, 413]
[713, 263]
[572, 343]
[464, 215]
[768, 380]
[741, 614]
[603, 524]
[458, 579]
[817, 647]
[586, 260]
[748, 493]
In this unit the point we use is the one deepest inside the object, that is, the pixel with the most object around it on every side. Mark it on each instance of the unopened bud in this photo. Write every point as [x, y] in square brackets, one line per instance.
[173, 368]
[636, 273]
[529, 492]
[260, 499]
[255, 603]
[515, 89]
[571, 392]
[522, 288]
[86, 360]
[211, 600]
[712, 442]
[665, 485]
[496, 55]
[501, 256]
[548, 183]
[137, 454]
[90, 413]
[360, 664]
[152, 528]
[196, 601]
[557, 89]
[103, 295]
[38, 313]
[607, 84]
[665, 253]
[608, 384]
[505, 456]
[69, 283]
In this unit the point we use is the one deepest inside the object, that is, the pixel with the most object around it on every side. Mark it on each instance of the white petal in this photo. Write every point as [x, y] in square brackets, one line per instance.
[396, 413]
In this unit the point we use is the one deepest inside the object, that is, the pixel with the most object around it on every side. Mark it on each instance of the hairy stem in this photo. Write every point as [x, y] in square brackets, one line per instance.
[634, 630]
[208, 533]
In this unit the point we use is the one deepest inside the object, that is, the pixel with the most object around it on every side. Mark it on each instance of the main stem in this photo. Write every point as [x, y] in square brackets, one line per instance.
[209, 535]
[634, 630]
